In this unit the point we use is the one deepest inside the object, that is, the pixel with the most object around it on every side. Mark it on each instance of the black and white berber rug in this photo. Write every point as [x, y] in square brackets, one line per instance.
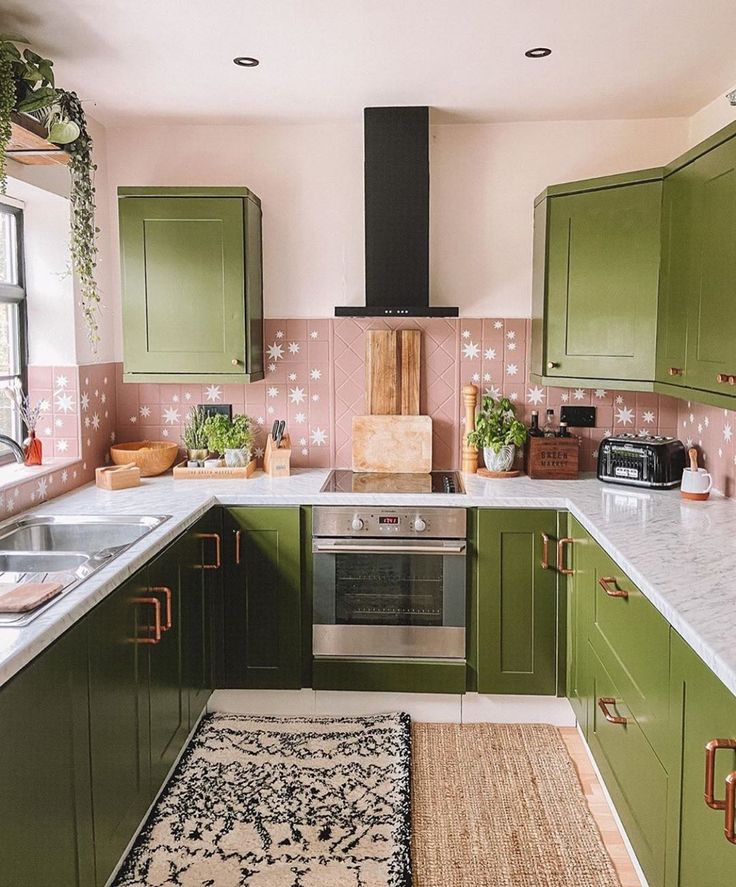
[283, 802]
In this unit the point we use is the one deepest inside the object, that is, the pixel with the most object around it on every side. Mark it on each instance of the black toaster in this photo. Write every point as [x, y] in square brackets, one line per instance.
[641, 461]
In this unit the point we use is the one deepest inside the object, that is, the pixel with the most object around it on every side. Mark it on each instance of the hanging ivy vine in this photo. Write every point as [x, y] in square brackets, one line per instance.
[7, 103]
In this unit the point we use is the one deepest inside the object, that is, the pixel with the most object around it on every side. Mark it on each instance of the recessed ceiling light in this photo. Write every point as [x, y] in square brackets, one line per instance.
[246, 61]
[539, 52]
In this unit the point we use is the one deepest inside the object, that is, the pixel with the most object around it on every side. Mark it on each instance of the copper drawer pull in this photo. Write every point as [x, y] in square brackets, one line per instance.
[605, 582]
[725, 379]
[561, 568]
[545, 552]
[675, 371]
[237, 546]
[710, 771]
[166, 592]
[603, 704]
[217, 563]
[156, 604]
[729, 829]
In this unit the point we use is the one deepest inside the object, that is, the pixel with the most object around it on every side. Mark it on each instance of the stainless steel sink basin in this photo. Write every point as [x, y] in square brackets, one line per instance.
[64, 548]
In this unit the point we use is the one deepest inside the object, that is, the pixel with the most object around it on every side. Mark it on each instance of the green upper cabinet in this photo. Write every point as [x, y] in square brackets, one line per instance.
[516, 602]
[596, 270]
[192, 284]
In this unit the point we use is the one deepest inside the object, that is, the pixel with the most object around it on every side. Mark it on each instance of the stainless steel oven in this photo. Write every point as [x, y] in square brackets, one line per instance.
[389, 582]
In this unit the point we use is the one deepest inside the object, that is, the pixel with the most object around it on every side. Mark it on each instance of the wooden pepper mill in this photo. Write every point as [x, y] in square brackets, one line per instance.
[470, 452]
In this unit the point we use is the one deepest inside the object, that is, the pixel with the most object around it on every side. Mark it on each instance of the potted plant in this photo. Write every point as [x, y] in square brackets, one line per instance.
[28, 92]
[498, 433]
[195, 435]
[232, 438]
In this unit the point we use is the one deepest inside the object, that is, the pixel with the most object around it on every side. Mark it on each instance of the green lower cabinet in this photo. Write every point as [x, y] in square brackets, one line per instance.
[45, 802]
[515, 603]
[580, 590]
[119, 718]
[389, 676]
[262, 598]
[707, 858]
[202, 612]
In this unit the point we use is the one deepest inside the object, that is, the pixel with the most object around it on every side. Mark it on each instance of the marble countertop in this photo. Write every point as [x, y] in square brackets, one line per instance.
[681, 554]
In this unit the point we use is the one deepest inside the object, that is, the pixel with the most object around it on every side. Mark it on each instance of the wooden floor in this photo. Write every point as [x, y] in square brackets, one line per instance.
[600, 809]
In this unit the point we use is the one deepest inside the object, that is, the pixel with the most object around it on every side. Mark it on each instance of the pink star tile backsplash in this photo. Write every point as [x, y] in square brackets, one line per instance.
[315, 379]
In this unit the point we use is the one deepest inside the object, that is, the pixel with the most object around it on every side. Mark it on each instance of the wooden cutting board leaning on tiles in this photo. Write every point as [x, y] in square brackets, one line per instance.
[393, 437]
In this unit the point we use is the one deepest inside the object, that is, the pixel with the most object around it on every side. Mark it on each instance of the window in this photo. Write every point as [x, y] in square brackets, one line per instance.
[12, 318]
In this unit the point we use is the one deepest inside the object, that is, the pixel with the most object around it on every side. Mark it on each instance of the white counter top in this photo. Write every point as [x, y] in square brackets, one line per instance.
[681, 554]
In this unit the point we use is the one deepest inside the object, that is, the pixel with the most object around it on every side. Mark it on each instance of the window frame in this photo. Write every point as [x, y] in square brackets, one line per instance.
[16, 294]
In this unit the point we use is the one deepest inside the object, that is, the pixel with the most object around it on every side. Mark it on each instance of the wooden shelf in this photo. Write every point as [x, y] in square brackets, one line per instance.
[28, 143]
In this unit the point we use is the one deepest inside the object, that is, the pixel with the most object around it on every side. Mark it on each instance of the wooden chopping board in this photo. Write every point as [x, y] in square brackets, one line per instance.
[392, 363]
[392, 444]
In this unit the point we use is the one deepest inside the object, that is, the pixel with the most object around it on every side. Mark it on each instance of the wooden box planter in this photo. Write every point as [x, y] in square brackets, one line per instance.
[28, 143]
[553, 458]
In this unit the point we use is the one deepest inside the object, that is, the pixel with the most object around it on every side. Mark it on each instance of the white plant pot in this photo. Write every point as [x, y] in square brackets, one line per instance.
[237, 458]
[501, 460]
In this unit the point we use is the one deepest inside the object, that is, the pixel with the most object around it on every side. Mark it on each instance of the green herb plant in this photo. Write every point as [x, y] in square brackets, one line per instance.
[195, 432]
[228, 434]
[496, 426]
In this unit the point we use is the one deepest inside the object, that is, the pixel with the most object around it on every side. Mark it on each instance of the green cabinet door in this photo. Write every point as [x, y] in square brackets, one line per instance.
[517, 602]
[711, 253]
[119, 628]
[262, 606]
[707, 859]
[602, 269]
[579, 617]
[192, 284]
[45, 801]
[168, 575]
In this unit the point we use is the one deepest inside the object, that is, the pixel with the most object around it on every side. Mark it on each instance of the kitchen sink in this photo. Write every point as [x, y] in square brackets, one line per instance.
[64, 548]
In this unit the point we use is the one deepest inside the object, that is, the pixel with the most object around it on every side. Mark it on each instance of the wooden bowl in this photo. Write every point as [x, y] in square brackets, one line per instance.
[151, 456]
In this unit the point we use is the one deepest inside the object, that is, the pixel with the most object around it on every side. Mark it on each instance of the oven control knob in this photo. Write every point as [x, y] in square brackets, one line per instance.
[420, 525]
[357, 523]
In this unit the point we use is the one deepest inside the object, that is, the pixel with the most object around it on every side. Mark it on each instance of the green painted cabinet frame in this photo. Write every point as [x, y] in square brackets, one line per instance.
[516, 608]
[580, 591]
[192, 287]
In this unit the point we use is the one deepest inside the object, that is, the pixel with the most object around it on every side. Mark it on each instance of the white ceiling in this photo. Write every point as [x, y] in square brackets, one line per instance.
[324, 60]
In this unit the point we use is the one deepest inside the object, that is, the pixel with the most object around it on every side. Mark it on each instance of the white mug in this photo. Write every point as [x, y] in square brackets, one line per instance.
[696, 481]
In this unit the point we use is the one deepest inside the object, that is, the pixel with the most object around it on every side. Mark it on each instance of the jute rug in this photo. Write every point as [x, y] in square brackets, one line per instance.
[283, 802]
[496, 805]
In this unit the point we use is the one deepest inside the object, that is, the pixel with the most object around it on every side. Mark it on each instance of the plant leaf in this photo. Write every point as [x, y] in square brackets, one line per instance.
[44, 68]
[63, 132]
[39, 98]
[14, 38]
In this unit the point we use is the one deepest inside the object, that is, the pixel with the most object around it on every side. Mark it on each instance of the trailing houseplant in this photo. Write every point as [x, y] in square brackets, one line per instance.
[498, 432]
[27, 86]
[232, 438]
[195, 434]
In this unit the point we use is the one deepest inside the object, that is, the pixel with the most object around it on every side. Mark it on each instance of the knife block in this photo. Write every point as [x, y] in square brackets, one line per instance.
[277, 460]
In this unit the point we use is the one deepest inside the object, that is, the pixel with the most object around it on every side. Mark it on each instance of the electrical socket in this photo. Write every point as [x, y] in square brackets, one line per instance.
[578, 417]
[211, 409]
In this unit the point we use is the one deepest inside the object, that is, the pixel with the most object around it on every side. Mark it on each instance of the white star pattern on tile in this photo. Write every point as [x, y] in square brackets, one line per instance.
[318, 436]
[62, 445]
[171, 416]
[293, 348]
[273, 391]
[259, 452]
[600, 392]
[564, 397]
[700, 427]
[475, 377]
[64, 476]
[292, 377]
[692, 418]
[510, 334]
[112, 437]
[187, 395]
[302, 441]
[83, 402]
[490, 354]
[486, 377]
[314, 334]
[727, 433]
[514, 395]
[44, 406]
[279, 334]
[535, 395]
[689, 442]
[58, 423]
[493, 392]
[275, 351]
[512, 369]
[315, 375]
[579, 394]
[47, 432]
[648, 416]
[466, 334]
[619, 399]
[706, 422]
[315, 397]
[260, 420]
[133, 420]
[64, 402]
[270, 411]
[272, 367]
[497, 324]
[213, 393]
[296, 395]
[145, 411]
[174, 399]
[300, 418]
[86, 421]
[720, 452]
[164, 432]
[624, 416]
[511, 346]
[61, 381]
[41, 488]
[471, 351]
[305, 452]
[95, 421]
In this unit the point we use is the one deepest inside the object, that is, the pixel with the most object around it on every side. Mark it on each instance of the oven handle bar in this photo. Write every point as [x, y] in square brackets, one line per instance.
[374, 548]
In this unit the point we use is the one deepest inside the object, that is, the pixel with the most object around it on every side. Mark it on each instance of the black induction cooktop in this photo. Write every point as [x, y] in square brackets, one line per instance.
[345, 481]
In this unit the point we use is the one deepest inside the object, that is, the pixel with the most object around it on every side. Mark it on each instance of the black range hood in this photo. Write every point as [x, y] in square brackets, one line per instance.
[396, 216]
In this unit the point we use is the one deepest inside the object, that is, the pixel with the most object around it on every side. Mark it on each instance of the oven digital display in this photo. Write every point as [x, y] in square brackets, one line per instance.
[389, 520]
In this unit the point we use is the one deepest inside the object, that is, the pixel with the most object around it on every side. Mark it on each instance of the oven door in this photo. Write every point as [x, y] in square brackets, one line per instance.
[389, 598]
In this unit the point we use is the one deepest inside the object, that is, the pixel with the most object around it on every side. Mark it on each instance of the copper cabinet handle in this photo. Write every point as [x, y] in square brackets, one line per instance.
[675, 371]
[545, 552]
[218, 562]
[237, 546]
[561, 568]
[605, 582]
[729, 826]
[166, 592]
[725, 379]
[603, 703]
[156, 604]
[710, 771]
